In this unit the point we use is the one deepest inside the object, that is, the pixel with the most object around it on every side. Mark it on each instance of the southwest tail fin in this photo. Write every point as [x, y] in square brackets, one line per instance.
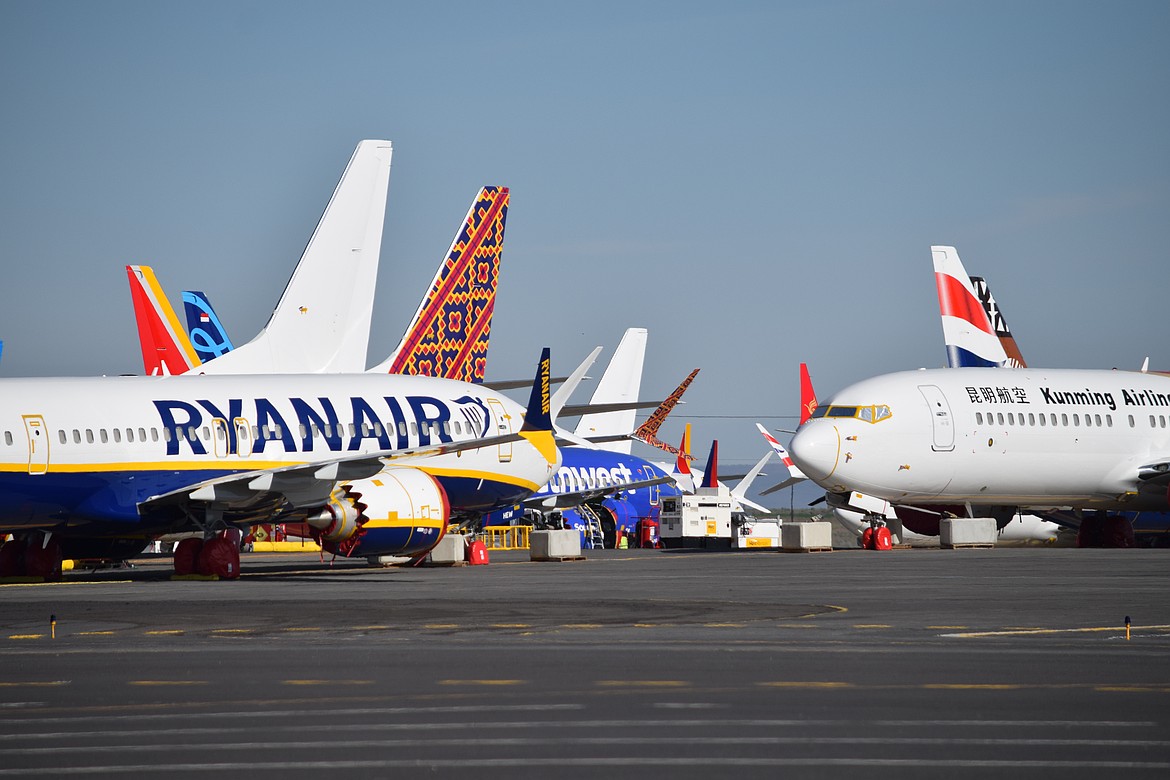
[204, 328]
[970, 339]
[619, 384]
[998, 323]
[808, 396]
[165, 347]
[322, 321]
[449, 334]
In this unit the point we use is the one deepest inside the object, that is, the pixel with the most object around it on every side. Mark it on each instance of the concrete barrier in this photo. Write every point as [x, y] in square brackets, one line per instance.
[564, 545]
[807, 537]
[957, 532]
[450, 551]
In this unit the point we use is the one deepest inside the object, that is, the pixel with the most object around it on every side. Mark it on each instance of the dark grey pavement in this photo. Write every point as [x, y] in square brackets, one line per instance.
[911, 663]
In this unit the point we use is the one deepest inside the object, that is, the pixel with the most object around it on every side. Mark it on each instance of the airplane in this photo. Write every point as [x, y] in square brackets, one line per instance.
[204, 329]
[137, 457]
[992, 440]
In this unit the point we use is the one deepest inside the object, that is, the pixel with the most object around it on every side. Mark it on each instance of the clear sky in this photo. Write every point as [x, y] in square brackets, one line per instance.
[756, 183]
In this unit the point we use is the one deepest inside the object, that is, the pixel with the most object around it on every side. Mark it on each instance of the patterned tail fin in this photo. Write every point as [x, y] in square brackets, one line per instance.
[449, 334]
[165, 347]
[204, 328]
[970, 339]
[998, 323]
[648, 432]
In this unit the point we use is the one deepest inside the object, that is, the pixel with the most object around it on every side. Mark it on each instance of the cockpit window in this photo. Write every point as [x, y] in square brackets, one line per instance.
[870, 414]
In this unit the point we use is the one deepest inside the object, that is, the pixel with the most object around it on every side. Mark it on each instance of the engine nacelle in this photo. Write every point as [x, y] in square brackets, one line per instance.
[337, 520]
[405, 513]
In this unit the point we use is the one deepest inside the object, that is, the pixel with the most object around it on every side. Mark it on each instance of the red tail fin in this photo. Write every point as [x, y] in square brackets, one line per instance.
[808, 397]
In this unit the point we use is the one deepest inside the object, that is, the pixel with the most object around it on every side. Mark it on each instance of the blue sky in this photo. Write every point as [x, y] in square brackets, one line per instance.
[756, 183]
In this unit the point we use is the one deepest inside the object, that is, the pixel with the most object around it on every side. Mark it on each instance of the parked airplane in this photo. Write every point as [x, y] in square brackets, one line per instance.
[207, 334]
[141, 456]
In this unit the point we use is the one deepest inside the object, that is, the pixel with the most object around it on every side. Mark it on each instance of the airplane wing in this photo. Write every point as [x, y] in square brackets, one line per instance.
[575, 497]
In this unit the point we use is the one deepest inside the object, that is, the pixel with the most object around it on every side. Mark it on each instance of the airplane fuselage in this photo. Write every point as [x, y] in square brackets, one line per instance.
[994, 436]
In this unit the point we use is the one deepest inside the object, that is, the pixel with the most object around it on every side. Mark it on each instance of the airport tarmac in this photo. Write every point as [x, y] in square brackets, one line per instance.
[908, 663]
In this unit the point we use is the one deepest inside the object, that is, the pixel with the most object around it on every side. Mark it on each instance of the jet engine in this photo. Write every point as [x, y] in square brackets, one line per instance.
[405, 512]
[340, 518]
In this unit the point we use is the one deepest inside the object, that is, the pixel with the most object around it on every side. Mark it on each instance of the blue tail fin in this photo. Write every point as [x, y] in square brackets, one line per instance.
[204, 328]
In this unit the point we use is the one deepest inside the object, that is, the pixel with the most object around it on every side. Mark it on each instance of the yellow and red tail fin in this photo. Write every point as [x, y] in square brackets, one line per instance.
[165, 346]
[449, 334]
[808, 397]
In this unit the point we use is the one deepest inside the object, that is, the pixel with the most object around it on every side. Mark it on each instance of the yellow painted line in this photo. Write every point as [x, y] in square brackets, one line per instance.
[44, 684]
[168, 632]
[973, 687]
[301, 628]
[946, 627]
[1035, 631]
[821, 684]
[796, 625]
[581, 625]
[168, 682]
[724, 625]
[511, 625]
[441, 625]
[231, 631]
[26, 636]
[833, 607]
[370, 628]
[871, 625]
[482, 682]
[648, 625]
[1131, 689]
[327, 682]
[642, 684]
[95, 633]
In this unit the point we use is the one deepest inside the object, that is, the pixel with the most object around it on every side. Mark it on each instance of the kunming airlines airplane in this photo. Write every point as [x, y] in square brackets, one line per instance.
[105, 463]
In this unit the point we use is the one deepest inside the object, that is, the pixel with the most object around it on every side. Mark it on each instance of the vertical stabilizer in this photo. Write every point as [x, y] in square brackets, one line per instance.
[808, 396]
[711, 472]
[647, 433]
[970, 339]
[999, 325]
[685, 480]
[322, 322]
[449, 334]
[207, 334]
[165, 347]
[619, 384]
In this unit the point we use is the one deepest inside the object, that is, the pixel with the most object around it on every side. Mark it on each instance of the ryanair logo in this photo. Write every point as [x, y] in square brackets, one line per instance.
[307, 425]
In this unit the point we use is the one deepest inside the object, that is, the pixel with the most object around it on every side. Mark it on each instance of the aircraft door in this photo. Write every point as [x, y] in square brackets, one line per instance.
[219, 437]
[243, 437]
[38, 443]
[940, 418]
[503, 427]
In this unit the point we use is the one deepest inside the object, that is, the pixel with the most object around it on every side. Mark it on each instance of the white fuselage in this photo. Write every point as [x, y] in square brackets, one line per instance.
[993, 436]
[85, 450]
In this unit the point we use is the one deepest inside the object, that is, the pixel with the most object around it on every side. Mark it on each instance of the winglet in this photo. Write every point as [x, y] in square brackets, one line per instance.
[808, 396]
[449, 334]
[165, 347]
[538, 417]
[711, 472]
[970, 338]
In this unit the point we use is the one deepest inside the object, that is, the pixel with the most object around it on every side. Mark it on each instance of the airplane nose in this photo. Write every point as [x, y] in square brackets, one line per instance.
[816, 449]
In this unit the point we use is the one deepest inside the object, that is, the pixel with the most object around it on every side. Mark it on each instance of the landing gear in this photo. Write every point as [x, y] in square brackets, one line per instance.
[1100, 529]
[37, 555]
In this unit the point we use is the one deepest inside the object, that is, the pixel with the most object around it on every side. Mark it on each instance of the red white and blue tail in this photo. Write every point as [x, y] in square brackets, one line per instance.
[967, 331]
[449, 334]
[778, 448]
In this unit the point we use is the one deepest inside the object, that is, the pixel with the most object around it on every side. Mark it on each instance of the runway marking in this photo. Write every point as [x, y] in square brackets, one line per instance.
[1133, 688]
[648, 625]
[796, 625]
[511, 625]
[441, 625]
[872, 625]
[482, 682]
[1037, 631]
[370, 628]
[168, 632]
[327, 682]
[947, 627]
[724, 625]
[160, 683]
[642, 684]
[26, 636]
[974, 686]
[301, 628]
[581, 625]
[35, 684]
[95, 633]
[809, 684]
[231, 630]
[59, 584]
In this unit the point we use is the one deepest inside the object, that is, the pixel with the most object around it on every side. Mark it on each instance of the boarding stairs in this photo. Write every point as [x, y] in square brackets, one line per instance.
[594, 536]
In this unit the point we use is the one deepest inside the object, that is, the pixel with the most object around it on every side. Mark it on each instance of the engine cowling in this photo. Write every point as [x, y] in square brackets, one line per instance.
[339, 519]
[405, 513]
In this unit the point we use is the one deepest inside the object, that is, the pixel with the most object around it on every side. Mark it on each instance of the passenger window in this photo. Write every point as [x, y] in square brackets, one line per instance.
[60, 436]
[458, 428]
[1011, 419]
[206, 433]
[1132, 424]
[377, 429]
[1097, 420]
[999, 417]
[1152, 423]
[1064, 420]
[978, 418]
[142, 434]
[447, 427]
[8, 438]
[130, 435]
[1042, 420]
[1108, 421]
[303, 431]
[365, 429]
[1031, 419]
[89, 434]
[402, 429]
[117, 435]
[105, 437]
[76, 436]
[1088, 421]
[167, 435]
[414, 429]
[329, 430]
[1076, 421]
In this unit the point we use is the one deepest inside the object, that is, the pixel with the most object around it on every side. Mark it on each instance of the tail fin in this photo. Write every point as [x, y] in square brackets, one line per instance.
[619, 384]
[538, 416]
[648, 432]
[967, 330]
[808, 396]
[686, 480]
[998, 323]
[322, 322]
[449, 334]
[165, 347]
[778, 448]
[206, 332]
[711, 473]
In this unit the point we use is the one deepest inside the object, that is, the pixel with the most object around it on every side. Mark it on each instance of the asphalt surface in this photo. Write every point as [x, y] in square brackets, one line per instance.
[910, 663]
